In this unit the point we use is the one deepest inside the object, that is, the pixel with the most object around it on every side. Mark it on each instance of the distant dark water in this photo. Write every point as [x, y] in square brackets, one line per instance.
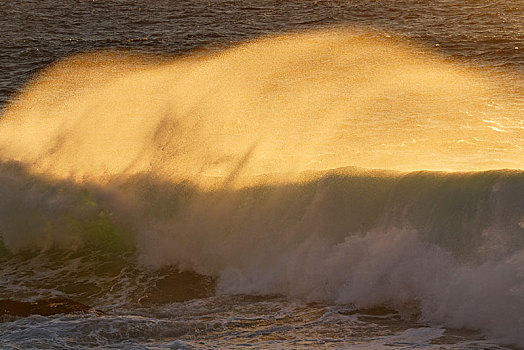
[36, 33]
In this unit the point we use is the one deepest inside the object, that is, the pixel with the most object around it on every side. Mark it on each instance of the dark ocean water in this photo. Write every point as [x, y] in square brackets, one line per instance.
[181, 184]
[37, 33]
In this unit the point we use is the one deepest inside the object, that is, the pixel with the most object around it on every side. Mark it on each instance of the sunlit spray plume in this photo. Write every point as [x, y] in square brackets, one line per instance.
[296, 102]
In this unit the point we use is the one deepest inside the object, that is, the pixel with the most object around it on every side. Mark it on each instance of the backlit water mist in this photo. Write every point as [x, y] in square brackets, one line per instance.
[283, 104]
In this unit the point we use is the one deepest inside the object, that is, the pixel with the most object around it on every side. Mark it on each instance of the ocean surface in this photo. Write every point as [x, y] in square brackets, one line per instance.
[209, 174]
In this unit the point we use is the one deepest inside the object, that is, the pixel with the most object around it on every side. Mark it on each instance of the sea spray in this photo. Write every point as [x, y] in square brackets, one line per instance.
[292, 103]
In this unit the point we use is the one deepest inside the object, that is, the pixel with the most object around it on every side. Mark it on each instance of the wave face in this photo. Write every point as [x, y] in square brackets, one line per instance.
[449, 243]
[127, 180]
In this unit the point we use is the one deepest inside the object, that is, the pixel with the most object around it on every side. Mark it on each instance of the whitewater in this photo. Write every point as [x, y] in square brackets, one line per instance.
[341, 187]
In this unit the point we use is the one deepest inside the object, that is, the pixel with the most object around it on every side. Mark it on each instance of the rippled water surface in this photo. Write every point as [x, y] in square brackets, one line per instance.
[37, 33]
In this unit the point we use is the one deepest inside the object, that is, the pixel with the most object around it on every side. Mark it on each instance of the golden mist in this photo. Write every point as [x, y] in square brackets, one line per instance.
[279, 105]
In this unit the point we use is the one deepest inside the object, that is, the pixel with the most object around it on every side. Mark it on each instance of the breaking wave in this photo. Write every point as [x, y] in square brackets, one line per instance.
[152, 180]
[450, 243]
